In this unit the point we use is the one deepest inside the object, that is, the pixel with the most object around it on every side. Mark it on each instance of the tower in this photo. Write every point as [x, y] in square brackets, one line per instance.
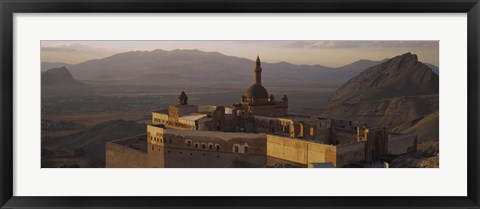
[183, 99]
[258, 72]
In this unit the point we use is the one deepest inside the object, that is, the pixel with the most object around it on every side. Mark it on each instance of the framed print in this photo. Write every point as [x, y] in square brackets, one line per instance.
[263, 104]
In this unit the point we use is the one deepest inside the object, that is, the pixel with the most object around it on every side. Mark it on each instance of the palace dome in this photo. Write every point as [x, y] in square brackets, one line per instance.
[256, 91]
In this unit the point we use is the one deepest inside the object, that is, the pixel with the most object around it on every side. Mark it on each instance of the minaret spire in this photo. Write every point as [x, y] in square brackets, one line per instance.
[258, 72]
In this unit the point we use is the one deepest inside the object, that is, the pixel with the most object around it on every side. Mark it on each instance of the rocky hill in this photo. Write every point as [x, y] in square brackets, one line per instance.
[399, 91]
[59, 81]
[403, 75]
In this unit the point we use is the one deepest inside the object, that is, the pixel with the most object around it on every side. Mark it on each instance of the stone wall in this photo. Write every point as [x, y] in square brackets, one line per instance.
[183, 158]
[350, 153]
[341, 136]
[401, 144]
[268, 110]
[159, 118]
[118, 156]
[250, 143]
[176, 111]
[376, 145]
[299, 151]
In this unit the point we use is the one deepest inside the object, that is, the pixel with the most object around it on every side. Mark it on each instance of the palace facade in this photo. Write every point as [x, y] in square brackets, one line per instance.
[256, 132]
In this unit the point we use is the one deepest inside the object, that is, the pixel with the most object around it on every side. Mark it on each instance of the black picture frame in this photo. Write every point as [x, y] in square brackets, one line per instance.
[9, 7]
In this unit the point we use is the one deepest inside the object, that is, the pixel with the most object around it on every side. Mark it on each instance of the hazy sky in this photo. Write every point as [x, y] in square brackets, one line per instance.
[327, 53]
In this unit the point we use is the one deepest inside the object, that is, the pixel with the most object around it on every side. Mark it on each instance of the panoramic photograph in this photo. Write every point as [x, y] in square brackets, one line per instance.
[240, 104]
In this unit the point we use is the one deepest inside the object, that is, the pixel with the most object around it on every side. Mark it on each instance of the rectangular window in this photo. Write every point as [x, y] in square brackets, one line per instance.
[204, 146]
[210, 146]
[217, 147]
[189, 143]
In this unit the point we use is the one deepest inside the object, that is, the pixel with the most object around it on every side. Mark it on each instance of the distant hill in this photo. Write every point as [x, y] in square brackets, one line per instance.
[49, 65]
[396, 92]
[59, 81]
[180, 67]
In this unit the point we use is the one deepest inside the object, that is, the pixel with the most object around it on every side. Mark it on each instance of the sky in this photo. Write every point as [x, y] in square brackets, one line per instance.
[325, 52]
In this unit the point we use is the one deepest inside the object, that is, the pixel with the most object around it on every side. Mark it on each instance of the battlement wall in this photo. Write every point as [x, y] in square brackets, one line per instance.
[299, 151]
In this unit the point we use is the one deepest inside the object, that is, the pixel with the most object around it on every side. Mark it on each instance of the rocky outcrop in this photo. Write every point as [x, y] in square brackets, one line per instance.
[400, 76]
[397, 92]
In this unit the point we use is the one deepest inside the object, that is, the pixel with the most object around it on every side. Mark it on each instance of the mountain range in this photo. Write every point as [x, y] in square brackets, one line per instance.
[194, 66]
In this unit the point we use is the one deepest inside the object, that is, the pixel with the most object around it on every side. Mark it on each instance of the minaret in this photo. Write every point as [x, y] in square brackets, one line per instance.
[183, 99]
[258, 72]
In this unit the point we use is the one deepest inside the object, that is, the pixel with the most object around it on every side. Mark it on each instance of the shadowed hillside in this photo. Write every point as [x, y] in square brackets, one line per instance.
[87, 146]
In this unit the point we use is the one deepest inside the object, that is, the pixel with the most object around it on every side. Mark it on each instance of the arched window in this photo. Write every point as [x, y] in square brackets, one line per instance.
[217, 147]
[245, 149]
[210, 146]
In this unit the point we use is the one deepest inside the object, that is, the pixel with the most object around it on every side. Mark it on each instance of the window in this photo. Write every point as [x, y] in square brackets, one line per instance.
[189, 143]
[196, 145]
[204, 146]
[245, 149]
[235, 148]
[210, 146]
[217, 147]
